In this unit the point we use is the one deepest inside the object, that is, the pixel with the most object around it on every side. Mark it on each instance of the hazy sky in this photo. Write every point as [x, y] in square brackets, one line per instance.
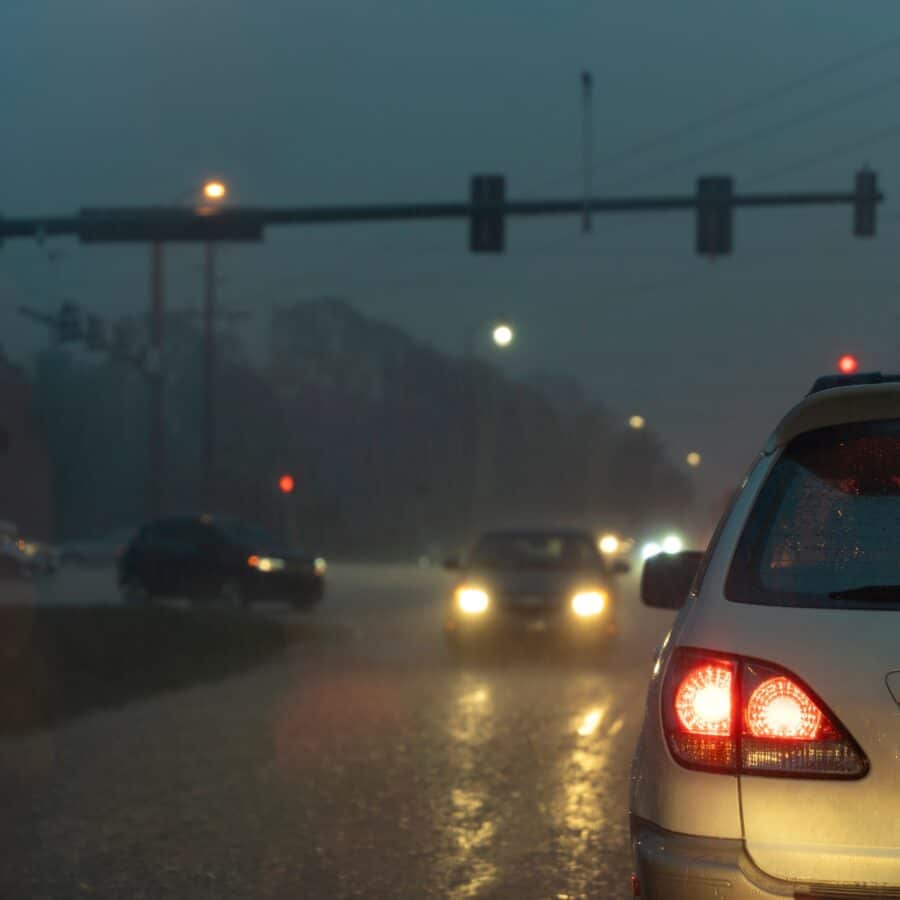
[112, 102]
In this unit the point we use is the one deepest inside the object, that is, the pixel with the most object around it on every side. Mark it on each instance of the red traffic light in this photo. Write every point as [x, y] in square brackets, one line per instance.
[286, 484]
[848, 364]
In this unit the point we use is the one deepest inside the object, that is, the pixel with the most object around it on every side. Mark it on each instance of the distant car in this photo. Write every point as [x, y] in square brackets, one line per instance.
[14, 564]
[546, 582]
[18, 553]
[768, 761]
[43, 559]
[216, 559]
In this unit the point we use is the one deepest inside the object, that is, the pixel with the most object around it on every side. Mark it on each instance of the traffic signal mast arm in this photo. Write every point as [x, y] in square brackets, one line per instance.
[714, 203]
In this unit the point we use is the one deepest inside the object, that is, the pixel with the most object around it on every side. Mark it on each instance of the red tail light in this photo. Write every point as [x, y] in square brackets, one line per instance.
[728, 714]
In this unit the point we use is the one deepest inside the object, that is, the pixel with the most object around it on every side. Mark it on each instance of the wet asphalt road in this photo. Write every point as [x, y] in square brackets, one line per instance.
[363, 763]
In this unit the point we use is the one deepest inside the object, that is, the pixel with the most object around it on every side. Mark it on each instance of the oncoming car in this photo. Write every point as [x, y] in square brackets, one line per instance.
[542, 582]
[768, 760]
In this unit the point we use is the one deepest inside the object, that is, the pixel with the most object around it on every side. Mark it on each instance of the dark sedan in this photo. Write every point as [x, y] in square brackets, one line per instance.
[541, 582]
[216, 559]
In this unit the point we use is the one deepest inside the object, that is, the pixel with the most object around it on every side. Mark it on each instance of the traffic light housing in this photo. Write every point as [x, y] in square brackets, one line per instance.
[865, 203]
[715, 215]
[68, 323]
[487, 222]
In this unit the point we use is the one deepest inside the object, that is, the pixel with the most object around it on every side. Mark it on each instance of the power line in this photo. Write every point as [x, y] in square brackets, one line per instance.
[819, 158]
[744, 106]
[765, 131]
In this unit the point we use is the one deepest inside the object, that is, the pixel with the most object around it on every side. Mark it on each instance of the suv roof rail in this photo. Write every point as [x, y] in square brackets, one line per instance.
[827, 382]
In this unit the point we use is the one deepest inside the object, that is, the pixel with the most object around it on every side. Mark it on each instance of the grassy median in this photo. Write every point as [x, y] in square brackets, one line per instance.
[57, 662]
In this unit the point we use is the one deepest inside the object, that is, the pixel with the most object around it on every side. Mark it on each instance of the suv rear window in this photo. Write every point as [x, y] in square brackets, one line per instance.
[825, 529]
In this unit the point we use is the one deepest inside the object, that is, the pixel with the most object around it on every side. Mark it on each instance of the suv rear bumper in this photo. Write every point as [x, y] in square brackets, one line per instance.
[685, 867]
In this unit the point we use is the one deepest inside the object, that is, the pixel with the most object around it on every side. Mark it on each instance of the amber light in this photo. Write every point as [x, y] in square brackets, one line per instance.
[703, 700]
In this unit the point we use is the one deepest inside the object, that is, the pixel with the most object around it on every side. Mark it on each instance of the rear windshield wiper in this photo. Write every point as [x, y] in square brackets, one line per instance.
[869, 591]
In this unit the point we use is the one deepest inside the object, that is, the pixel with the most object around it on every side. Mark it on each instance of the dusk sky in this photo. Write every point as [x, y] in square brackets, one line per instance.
[340, 101]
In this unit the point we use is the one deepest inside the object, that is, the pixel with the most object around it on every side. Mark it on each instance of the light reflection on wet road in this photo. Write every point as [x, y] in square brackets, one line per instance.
[367, 763]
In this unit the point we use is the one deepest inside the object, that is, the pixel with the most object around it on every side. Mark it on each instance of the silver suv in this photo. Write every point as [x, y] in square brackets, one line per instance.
[769, 760]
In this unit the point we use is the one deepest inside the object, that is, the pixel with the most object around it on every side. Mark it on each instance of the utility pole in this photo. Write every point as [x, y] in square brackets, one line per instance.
[587, 146]
[209, 372]
[157, 382]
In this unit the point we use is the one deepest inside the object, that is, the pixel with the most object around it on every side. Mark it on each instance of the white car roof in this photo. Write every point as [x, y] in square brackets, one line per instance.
[838, 406]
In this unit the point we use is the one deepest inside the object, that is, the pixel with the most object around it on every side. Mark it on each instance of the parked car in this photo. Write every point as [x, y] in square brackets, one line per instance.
[767, 765]
[217, 559]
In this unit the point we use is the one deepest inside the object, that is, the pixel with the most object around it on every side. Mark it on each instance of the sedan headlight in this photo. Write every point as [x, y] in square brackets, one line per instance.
[589, 603]
[472, 600]
[265, 563]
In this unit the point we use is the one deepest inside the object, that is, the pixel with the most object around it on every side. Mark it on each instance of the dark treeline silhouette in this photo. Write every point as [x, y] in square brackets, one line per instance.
[396, 449]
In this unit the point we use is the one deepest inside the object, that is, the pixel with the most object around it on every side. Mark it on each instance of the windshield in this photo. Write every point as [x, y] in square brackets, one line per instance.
[824, 528]
[247, 533]
[533, 551]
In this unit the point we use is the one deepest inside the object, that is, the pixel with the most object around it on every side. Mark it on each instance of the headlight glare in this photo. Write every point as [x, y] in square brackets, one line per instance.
[589, 603]
[265, 563]
[472, 600]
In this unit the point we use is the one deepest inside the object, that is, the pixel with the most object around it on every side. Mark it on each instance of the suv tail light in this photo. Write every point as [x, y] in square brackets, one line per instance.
[729, 714]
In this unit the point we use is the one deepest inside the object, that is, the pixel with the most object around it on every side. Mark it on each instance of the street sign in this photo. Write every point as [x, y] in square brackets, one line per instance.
[487, 230]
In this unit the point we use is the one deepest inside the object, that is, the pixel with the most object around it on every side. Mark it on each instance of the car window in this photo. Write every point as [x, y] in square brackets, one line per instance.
[552, 551]
[824, 529]
[244, 533]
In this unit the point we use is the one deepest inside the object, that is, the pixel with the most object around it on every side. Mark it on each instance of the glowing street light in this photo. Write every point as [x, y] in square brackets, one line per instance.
[848, 364]
[609, 544]
[693, 459]
[215, 190]
[503, 335]
[637, 422]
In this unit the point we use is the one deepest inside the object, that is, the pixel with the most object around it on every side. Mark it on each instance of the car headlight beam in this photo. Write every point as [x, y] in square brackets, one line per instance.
[265, 563]
[472, 600]
[589, 603]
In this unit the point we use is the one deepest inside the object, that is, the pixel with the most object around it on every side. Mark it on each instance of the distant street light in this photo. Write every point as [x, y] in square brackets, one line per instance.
[286, 484]
[848, 364]
[503, 335]
[693, 459]
[637, 422]
[609, 544]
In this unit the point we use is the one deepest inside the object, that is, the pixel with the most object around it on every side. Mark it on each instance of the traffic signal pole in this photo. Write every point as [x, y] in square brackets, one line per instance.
[587, 146]
[209, 375]
[157, 381]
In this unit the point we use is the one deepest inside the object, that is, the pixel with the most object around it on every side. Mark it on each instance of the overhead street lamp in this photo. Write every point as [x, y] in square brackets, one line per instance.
[503, 334]
[215, 190]
[693, 459]
[637, 422]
